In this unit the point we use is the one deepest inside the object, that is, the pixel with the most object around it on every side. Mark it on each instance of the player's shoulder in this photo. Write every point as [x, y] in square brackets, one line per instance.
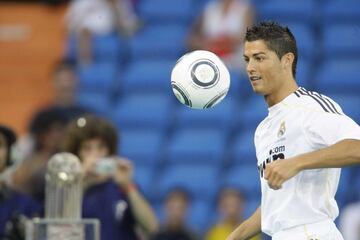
[312, 101]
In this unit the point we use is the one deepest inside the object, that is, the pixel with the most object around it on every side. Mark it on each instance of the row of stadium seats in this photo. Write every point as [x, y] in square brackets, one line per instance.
[332, 76]
[203, 183]
[167, 42]
[183, 11]
[311, 11]
[162, 113]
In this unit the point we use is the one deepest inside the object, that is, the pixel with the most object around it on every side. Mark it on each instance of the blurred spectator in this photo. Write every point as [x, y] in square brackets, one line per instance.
[14, 207]
[230, 207]
[221, 28]
[174, 227]
[86, 18]
[63, 107]
[110, 193]
[350, 221]
[65, 84]
[47, 131]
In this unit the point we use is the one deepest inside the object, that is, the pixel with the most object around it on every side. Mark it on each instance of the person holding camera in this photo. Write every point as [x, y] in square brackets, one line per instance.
[110, 193]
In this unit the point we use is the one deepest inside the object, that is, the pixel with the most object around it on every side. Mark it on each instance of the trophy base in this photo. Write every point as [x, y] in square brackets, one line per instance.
[60, 229]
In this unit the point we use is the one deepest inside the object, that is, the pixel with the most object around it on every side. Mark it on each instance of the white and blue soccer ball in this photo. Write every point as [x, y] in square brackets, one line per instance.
[200, 79]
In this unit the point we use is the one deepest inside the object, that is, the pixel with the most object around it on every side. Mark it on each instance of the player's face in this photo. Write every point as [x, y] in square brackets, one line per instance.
[263, 67]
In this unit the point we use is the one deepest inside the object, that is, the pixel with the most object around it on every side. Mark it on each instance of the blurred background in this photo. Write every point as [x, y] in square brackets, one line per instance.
[114, 58]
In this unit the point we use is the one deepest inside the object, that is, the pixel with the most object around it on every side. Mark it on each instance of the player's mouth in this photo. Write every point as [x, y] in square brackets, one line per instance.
[254, 78]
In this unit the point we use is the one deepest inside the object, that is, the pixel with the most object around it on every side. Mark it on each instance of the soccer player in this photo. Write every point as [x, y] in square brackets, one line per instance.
[300, 146]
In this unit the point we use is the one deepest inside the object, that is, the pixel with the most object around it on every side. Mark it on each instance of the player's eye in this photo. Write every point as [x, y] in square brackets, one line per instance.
[259, 59]
[246, 60]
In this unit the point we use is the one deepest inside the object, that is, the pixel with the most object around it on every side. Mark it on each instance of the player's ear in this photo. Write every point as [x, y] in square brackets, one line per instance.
[287, 60]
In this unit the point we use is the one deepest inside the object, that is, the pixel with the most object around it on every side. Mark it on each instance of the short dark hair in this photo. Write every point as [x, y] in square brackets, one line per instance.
[44, 120]
[277, 38]
[89, 127]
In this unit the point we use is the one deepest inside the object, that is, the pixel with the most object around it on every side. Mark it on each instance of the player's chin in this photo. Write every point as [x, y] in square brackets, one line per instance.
[258, 89]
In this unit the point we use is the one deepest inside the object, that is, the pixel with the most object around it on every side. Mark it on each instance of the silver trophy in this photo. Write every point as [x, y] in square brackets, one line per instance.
[63, 201]
[63, 195]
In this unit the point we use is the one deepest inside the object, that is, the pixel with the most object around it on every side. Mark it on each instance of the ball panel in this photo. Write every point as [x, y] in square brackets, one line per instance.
[217, 99]
[204, 73]
[181, 94]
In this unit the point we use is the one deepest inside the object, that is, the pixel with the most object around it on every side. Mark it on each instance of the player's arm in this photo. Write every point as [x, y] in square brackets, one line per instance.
[249, 228]
[143, 213]
[341, 154]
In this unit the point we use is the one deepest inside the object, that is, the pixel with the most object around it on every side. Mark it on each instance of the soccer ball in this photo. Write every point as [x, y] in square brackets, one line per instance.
[200, 79]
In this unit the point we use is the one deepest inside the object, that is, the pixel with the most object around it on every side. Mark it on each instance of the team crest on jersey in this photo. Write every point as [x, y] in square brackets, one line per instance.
[282, 130]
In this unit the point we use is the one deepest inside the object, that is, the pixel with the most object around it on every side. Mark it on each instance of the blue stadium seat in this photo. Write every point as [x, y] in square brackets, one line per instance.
[198, 215]
[148, 76]
[106, 48]
[197, 146]
[201, 181]
[287, 11]
[143, 147]
[250, 206]
[95, 102]
[219, 117]
[353, 192]
[254, 111]
[305, 39]
[344, 187]
[165, 41]
[144, 178]
[143, 111]
[240, 87]
[303, 73]
[350, 104]
[97, 77]
[246, 178]
[339, 76]
[341, 40]
[243, 149]
[346, 11]
[160, 11]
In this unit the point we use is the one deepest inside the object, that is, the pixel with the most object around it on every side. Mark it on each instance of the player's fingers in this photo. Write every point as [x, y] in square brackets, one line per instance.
[268, 172]
[275, 182]
[274, 186]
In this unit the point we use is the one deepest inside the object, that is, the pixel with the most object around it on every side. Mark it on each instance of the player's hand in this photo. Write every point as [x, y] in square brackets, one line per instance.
[124, 172]
[277, 172]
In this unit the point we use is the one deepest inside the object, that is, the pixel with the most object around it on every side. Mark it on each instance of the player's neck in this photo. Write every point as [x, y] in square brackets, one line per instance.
[281, 93]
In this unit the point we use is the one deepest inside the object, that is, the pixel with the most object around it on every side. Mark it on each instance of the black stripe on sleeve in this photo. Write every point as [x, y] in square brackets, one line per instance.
[329, 101]
[297, 94]
[301, 91]
[318, 96]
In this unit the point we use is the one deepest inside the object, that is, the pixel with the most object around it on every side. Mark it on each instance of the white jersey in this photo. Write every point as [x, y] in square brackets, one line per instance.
[303, 122]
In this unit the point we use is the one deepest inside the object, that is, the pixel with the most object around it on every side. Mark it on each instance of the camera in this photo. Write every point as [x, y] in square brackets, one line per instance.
[105, 166]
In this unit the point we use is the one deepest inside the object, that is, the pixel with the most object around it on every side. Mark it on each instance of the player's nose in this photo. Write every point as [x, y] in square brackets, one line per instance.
[250, 68]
